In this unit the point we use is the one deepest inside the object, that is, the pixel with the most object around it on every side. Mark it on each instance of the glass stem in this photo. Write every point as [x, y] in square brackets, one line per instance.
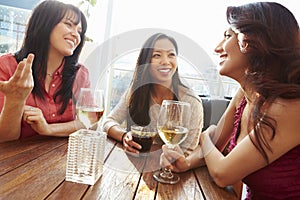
[166, 173]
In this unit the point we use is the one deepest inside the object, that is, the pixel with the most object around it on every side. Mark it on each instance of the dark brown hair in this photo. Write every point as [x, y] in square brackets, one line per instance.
[272, 34]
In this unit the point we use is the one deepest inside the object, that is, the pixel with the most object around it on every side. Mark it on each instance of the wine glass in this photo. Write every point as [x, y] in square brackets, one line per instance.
[90, 107]
[172, 125]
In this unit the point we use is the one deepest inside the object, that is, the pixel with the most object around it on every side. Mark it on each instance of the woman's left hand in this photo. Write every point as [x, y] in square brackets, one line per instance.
[35, 118]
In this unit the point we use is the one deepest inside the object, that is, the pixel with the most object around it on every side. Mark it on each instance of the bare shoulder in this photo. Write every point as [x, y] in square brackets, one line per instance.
[285, 108]
[286, 113]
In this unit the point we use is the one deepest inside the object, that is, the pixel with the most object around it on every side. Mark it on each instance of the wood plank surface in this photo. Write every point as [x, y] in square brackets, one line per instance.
[210, 189]
[36, 179]
[23, 151]
[35, 168]
[147, 186]
[186, 188]
[69, 190]
[120, 178]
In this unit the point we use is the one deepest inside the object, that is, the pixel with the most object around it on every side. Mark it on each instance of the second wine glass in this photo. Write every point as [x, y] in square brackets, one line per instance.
[172, 125]
[90, 107]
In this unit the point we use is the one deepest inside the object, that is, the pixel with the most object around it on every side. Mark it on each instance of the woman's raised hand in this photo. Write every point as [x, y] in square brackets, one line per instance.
[20, 85]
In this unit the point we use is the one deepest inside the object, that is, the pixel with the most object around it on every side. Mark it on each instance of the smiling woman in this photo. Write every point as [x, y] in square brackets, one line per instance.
[44, 74]
[68, 31]
[155, 79]
[110, 19]
[261, 117]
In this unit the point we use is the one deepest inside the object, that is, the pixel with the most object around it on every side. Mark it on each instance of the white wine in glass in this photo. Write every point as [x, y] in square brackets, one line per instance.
[172, 125]
[90, 107]
[173, 135]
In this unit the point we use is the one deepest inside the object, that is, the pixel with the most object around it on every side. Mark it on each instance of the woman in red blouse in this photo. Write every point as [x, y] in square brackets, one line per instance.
[39, 84]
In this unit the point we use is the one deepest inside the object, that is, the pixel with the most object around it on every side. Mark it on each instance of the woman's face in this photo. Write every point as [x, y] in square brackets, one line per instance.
[163, 62]
[65, 36]
[233, 63]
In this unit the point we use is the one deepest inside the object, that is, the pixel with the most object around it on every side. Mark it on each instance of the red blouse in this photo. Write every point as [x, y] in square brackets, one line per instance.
[8, 65]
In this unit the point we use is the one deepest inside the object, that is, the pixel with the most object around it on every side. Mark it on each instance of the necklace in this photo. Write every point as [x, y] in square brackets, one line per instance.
[50, 74]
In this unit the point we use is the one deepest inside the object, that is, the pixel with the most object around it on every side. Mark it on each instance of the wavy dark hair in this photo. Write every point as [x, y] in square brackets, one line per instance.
[142, 82]
[272, 34]
[41, 23]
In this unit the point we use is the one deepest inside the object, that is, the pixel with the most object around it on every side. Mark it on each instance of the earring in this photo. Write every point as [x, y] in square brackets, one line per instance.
[244, 48]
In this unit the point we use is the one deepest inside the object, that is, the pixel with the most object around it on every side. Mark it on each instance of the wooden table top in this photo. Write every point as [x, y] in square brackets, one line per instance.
[35, 168]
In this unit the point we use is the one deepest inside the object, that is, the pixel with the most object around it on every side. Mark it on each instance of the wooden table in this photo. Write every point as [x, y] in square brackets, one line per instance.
[35, 168]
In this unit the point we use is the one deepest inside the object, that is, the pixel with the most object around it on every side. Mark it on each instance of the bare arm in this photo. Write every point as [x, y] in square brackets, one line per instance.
[175, 160]
[65, 129]
[220, 135]
[35, 118]
[16, 90]
[231, 169]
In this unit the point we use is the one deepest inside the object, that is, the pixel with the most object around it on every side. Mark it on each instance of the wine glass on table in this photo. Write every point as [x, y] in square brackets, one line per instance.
[172, 125]
[90, 107]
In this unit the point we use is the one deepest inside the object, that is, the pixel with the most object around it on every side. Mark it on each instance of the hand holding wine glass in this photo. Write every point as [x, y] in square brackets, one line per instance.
[90, 107]
[172, 125]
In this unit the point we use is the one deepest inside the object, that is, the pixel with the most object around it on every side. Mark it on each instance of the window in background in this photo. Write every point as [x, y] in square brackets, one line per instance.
[12, 28]
[123, 68]
[132, 15]
[204, 24]
[13, 19]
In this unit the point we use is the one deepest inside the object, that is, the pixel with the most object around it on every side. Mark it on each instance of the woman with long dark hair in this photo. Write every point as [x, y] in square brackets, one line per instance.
[260, 50]
[155, 79]
[42, 101]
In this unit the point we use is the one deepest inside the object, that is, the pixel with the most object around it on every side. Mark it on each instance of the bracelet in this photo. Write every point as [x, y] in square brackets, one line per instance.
[123, 136]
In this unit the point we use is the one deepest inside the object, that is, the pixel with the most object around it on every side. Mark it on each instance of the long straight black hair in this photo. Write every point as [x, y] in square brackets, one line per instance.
[142, 83]
[37, 38]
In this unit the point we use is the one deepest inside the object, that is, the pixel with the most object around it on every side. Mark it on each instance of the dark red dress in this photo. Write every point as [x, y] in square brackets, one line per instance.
[279, 180]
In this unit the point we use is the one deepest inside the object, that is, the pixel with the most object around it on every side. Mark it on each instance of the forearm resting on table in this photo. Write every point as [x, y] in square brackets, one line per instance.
[10, 116]
[65, 129]
[195, 159]
[116, 132]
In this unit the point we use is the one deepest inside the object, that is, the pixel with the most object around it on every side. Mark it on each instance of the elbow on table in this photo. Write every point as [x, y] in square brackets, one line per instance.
[221, 178]
[8, 139]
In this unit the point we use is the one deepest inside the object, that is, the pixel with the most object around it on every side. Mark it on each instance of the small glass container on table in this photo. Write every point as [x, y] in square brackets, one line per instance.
[85, 156]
